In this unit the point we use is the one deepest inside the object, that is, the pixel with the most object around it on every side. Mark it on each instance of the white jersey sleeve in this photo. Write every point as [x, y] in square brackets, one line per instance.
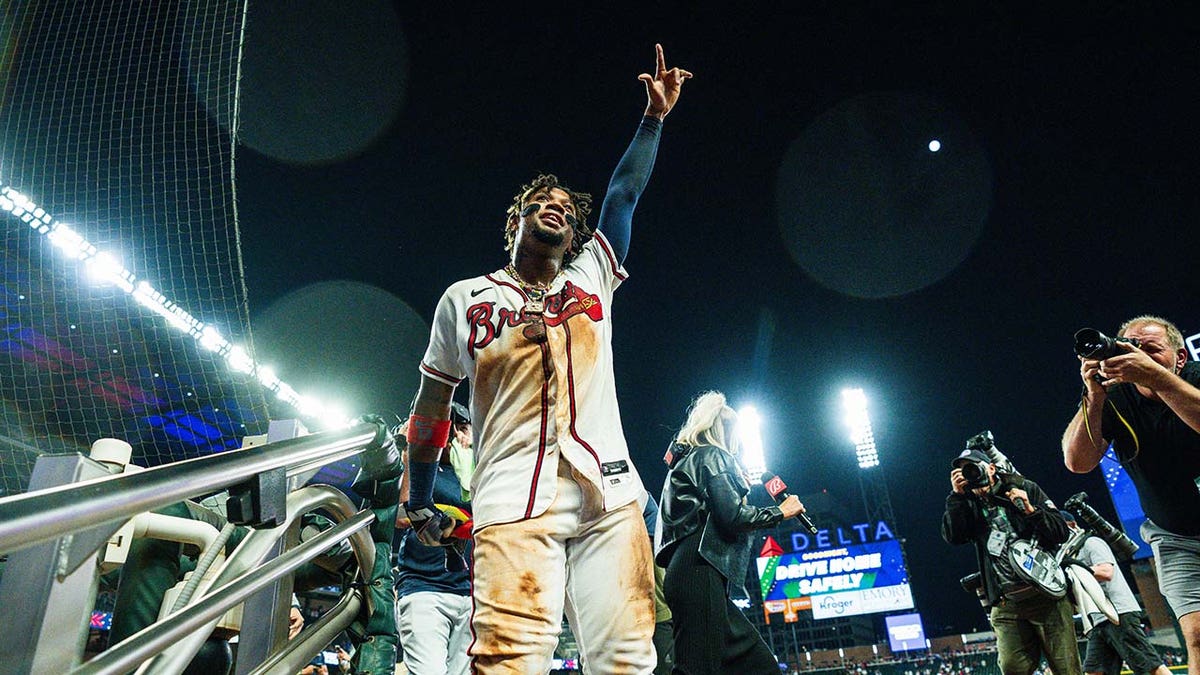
[442, 360]
[598, 258]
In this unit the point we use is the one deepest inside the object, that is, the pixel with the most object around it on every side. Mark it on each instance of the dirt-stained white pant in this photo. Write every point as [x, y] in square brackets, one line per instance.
[596, 565]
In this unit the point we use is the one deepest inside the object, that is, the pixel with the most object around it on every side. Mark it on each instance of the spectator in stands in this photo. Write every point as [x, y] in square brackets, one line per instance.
[315, 667]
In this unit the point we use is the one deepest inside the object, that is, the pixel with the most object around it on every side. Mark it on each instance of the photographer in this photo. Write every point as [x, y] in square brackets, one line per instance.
[1142, 397]
[993, 511]
[1111, 644]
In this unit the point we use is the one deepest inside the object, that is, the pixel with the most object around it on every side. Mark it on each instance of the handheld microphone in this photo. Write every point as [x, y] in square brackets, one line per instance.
[778, 491]
[1004, 490]
[1019, 503]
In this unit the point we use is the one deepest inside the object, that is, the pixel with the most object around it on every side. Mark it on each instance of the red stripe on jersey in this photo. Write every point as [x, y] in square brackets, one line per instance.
[440, 375]
[537, 469]
[471, 621]
[612, 259]
[502, 282]
[571, 394]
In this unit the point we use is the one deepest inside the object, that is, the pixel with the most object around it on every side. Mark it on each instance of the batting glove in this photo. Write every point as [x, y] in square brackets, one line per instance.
[433, 527]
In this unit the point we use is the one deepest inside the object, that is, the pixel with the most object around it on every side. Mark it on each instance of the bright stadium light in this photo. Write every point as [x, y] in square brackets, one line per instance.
[854, 401]
[105, 268]
[239, 360]
[334, 417]
[211, 339]
[70, 242]
[268, 378]
[749, 430]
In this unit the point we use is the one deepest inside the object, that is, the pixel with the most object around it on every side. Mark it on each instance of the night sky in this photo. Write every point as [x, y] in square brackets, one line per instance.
[798, 235]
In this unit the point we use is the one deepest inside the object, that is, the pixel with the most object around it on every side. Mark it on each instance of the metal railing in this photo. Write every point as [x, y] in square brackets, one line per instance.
[55, 536]
[41, 516]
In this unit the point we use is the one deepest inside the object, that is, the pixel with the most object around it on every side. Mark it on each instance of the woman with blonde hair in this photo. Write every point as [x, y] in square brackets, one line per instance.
[704, 543]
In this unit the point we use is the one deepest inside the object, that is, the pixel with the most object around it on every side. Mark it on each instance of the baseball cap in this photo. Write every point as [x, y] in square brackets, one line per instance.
[1067, 516]
[459, 413]
[975, 455]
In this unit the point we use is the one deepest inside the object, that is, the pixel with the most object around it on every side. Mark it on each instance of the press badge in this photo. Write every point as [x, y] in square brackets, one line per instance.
[995, 542]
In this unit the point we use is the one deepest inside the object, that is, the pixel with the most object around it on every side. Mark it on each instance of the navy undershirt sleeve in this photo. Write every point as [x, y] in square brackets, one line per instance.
[625, 187]
[421, 477]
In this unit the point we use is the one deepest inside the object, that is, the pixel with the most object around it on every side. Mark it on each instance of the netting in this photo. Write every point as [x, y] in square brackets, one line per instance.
[121, 292]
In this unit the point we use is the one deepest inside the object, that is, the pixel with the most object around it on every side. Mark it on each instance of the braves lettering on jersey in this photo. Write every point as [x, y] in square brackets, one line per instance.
[532, 402]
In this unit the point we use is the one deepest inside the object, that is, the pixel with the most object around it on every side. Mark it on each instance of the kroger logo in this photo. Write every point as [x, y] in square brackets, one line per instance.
[834, 605]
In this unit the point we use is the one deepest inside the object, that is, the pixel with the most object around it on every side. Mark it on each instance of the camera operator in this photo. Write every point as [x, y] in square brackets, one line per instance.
[1111, 644]
[992, 511]
[1144, 399]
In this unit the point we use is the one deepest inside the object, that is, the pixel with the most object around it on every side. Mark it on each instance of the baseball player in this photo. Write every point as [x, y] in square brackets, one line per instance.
[557, 523]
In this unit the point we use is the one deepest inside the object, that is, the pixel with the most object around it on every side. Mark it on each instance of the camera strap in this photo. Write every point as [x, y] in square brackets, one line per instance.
[1083, 401]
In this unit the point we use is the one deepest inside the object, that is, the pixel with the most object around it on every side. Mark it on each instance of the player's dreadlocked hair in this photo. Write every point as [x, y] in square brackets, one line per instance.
[583, 208]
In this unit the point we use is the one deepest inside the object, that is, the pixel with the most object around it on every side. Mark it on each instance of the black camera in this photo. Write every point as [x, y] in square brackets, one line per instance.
[1092, 344]
[981, 441]
[975, 471]
[1122, 546]
[976, 474]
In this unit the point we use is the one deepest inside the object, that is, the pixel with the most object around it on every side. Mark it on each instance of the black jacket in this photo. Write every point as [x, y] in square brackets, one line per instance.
[705, 492]
[964, 522]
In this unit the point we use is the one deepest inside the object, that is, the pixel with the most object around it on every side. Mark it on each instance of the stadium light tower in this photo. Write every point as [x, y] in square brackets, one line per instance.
[859, 421]
[749, 430]
[876, 501]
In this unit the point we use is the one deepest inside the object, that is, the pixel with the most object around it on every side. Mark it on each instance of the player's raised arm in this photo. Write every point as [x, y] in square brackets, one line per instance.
[663, 87]
[633, 171]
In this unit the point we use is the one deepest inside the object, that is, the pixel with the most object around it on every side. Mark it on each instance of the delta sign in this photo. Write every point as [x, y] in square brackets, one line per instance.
[840, 572]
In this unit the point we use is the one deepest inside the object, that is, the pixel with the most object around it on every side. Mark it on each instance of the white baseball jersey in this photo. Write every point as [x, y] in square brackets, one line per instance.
[532, 402]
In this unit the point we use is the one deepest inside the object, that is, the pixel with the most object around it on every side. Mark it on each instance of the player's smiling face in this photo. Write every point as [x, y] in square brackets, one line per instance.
[550, 222]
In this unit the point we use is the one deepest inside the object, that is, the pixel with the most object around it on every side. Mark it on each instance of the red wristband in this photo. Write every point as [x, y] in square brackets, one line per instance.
[428, 431]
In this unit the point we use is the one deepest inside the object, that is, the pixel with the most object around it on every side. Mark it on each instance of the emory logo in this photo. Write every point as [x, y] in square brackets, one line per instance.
[487, 322]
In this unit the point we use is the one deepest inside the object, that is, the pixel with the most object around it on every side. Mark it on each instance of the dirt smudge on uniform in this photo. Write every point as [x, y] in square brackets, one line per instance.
[529, 585]
[584, 348]
[512, 615]
[510, 368]
[639, 579]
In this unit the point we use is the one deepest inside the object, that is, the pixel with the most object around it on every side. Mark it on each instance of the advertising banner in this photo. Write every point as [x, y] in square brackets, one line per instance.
[860, 577]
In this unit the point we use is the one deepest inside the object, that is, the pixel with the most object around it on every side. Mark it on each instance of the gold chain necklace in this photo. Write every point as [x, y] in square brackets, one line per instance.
[532, 312]
[534, 291]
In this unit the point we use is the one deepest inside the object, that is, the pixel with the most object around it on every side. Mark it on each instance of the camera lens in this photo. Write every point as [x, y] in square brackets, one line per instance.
[971, 472]
[1091, 343]
[975, 474]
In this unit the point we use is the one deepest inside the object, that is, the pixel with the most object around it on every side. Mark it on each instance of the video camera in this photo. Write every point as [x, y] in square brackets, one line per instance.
[1122, 546]
[1092, 344]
